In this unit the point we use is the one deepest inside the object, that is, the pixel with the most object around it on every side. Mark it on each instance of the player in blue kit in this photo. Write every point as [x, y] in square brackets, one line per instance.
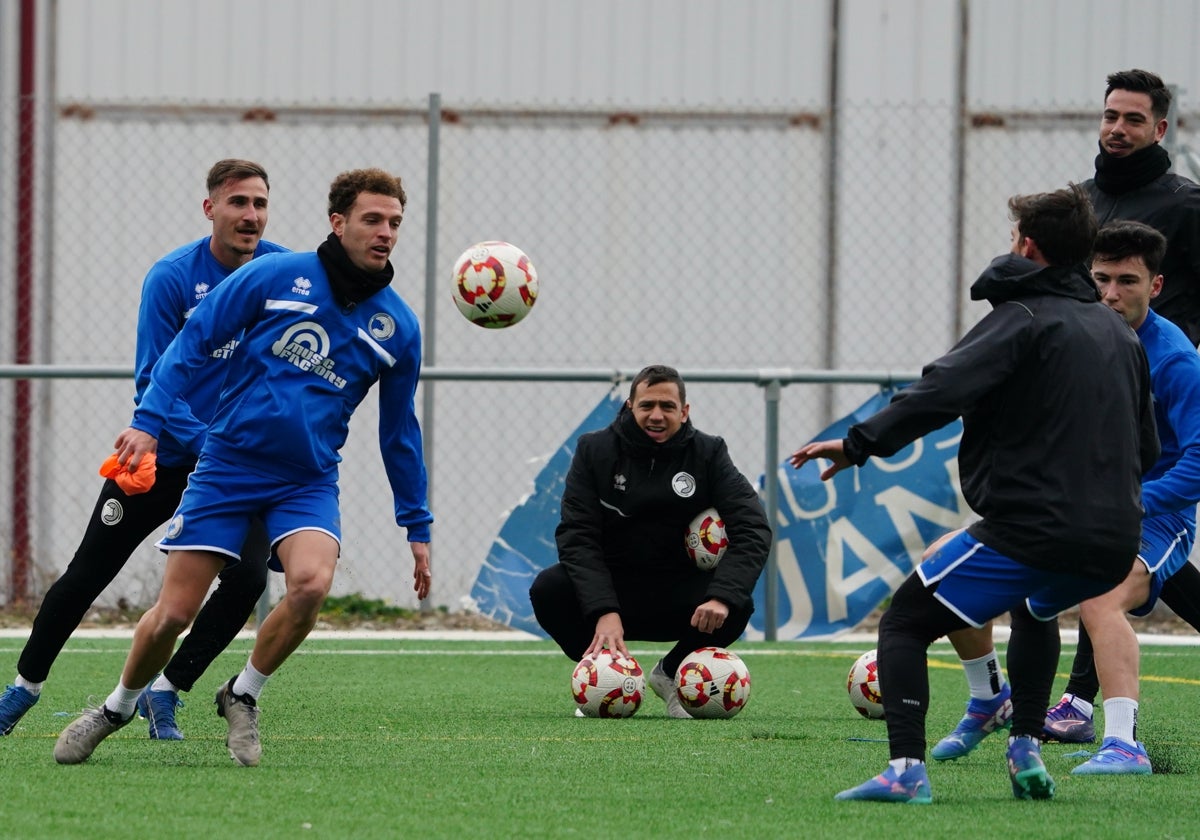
[318, 330]
[237, 205]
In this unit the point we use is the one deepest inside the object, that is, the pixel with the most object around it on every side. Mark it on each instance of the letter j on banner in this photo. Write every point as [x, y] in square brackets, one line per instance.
[842, 546]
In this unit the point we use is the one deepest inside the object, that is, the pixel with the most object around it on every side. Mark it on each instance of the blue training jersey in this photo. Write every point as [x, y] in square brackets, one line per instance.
[172, 289]
[302, 366]
[1173, 483]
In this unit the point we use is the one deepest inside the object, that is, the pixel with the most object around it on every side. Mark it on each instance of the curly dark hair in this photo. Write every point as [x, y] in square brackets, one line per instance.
[345, 188]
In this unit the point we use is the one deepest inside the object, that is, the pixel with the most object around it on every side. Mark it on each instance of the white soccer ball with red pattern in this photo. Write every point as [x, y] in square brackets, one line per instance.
[494, 284]
[862, 684]
[705, 539]
[713, 682]
[608, 686]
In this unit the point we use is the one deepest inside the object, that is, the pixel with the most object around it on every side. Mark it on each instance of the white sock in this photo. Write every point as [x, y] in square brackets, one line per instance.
[250, 682]
[1120, 718]
[33, 688]
[163, 684]
[123, 700]
[1080, 704]
[1033, 738]
[984, 677]
[902, 764]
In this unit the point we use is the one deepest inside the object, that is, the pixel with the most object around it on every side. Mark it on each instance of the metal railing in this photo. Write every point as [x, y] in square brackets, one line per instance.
[771, 380]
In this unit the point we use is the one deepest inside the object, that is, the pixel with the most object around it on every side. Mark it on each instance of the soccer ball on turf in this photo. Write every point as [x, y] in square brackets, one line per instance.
[494, 284]
[713, 682]
[705, 539]
[862, 684]
[608, 686]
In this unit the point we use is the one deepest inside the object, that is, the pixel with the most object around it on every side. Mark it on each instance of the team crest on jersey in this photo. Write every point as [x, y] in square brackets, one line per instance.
[175, 527]
[306, 345]
[382, 326]
[302, 286]
[683, 484]
[112, 512]
[201, 291]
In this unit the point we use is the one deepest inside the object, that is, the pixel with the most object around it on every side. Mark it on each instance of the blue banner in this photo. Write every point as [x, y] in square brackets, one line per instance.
[842, 546]
[525, 544]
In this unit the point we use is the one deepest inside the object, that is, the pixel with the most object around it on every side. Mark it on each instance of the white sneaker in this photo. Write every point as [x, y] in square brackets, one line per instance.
[664, 686]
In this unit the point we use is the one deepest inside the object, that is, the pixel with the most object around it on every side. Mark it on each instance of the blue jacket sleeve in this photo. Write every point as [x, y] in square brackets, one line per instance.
[400, 441]
[221, 317]
[161, 315]
[1178, 395]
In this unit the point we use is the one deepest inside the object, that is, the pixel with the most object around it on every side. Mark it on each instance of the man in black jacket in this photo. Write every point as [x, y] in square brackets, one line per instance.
[1058, 428]
[1134, 182]
[623, 570]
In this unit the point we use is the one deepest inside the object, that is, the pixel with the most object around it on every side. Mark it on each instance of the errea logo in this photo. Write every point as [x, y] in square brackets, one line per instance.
[201, 291]
[302, 286]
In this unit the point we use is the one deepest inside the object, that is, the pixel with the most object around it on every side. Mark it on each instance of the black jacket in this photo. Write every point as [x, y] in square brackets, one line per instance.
[627, 505]
[1171, 204]
[1058, 425]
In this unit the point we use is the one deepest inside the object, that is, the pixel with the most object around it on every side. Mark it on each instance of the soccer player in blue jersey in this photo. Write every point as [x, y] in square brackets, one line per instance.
[236, 204]
[317, 331]
[1126, 261]
[1058, 427]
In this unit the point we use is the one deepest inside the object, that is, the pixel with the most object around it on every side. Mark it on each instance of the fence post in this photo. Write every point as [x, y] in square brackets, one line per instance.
[771, 491]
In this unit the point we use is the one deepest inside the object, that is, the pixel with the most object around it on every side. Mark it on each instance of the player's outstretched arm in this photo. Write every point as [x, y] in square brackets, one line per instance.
[831, 450]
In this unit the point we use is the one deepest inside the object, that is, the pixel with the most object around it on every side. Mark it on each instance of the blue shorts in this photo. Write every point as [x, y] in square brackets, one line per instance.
[978, 583]
[221, 499]
[1166, 544]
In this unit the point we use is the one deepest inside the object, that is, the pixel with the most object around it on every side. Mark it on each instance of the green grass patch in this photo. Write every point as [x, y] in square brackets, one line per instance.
[418, 738]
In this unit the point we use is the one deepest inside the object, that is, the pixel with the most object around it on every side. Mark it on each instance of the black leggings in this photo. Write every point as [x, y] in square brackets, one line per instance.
[912, 623]
[652, 610]
[118, 525]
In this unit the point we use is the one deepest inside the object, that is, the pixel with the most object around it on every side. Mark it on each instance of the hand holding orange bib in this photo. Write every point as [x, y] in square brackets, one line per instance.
[131, 482]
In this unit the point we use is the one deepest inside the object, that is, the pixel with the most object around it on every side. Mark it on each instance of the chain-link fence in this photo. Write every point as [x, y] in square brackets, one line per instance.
[711, 241]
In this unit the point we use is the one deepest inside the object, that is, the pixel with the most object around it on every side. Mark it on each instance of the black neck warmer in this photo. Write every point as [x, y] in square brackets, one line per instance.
[1116, 175]
[351, 285]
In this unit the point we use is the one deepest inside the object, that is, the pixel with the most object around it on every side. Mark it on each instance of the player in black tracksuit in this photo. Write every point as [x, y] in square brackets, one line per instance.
[1058, 427]
[623, 570]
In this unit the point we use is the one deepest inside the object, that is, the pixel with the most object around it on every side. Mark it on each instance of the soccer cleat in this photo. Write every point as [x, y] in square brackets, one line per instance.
[241, 712]
[1116, 758]
[911, 787]
[79, 740]
[1067, 724]
[664, 687]
[14, 703]
[158, 707]
[1026, 770]
[983, 717]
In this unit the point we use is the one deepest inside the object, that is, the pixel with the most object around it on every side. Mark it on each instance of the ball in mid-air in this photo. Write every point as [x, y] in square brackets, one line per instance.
[713, 682]
[608, 686]
[494, 284]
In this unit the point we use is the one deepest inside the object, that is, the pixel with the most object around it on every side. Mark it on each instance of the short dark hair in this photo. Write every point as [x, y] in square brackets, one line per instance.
[234, 169]
[344, 190]
[1142, 81]
[1061, 223]
[657, 374]
[1120, 240]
